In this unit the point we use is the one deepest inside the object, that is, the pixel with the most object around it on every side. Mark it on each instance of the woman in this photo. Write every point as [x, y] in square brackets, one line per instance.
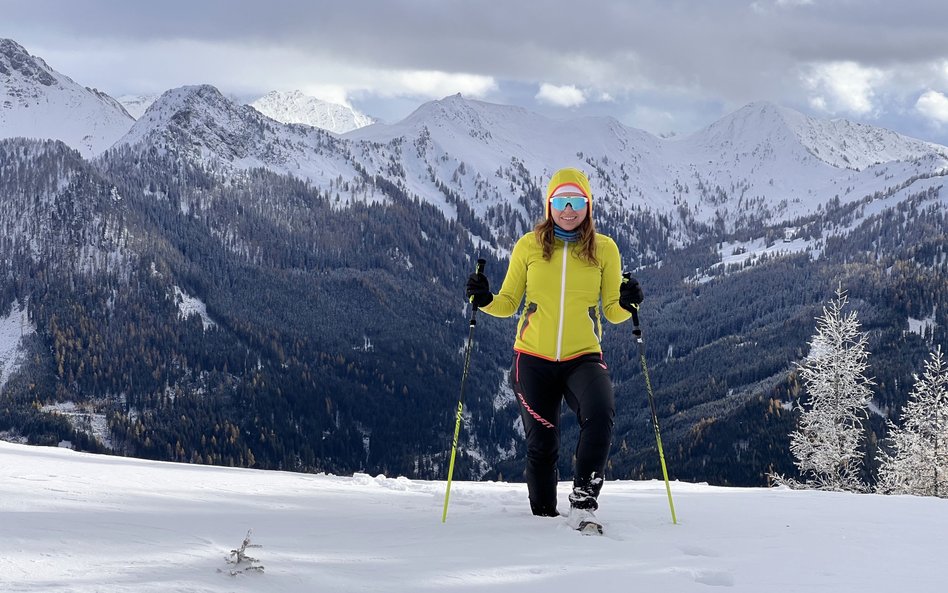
[566, 270]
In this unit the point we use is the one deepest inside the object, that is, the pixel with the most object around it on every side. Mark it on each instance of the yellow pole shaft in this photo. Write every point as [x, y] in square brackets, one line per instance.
[658, 441]
[454, 451]
[651, 404]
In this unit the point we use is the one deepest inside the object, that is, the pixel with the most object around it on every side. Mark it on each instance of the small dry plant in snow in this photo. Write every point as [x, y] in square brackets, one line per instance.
[242, 563]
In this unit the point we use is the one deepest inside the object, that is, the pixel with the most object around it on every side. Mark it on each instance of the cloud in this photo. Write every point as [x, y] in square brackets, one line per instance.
[435, 85]
[326, 92]
[654, 120]
[724, 49]
[763, 7]
[843, 86]
[564, 96]
[249, 70]
[933, 105]
[864, 60]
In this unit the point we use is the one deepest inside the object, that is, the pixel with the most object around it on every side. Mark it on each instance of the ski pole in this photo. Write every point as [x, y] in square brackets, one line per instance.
[651, 402]
[457, 424]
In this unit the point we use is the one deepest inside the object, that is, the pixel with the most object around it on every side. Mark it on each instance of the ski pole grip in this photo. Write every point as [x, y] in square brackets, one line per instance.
[479, 269]
[635, 321]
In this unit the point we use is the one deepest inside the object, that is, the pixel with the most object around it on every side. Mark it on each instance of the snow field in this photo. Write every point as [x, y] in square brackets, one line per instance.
[75, 522]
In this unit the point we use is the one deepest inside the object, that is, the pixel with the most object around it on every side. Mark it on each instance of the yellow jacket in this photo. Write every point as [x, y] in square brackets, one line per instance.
[560, 318]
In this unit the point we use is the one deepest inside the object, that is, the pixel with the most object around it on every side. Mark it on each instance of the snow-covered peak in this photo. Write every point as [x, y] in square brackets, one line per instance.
[38, 102]
[491, 135]
[294, 107]
[453, 114]
[452, 108]
[136, 105]
[769, 129]
[757, 125]
[467, 115]
[192, 114]
[200, 123]
[203, 98]
[16, 64]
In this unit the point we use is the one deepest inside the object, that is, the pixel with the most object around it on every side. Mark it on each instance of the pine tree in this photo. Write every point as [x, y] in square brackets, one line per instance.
[918, 463]
[830, 433]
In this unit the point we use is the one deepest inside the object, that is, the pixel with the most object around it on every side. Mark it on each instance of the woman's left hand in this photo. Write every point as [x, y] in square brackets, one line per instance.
[630, 293]
[478, 290]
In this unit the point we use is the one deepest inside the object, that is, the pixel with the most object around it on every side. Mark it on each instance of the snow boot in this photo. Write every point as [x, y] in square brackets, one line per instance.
[584, 521]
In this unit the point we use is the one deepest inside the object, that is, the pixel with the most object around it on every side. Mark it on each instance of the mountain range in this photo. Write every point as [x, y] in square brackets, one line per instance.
[327, 268]
[762, 164]
[289, 107]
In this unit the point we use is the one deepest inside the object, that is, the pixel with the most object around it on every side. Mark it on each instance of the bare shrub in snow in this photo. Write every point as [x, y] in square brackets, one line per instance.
[241, 561]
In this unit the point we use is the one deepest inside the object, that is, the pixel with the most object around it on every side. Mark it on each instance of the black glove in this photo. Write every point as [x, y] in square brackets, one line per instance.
[478, 290]
[630, 293]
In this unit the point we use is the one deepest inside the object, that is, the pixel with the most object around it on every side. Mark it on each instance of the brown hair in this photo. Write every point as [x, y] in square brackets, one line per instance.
[587, 239]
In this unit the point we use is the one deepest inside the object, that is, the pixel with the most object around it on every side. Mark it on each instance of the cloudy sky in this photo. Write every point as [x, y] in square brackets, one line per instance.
[666, 66]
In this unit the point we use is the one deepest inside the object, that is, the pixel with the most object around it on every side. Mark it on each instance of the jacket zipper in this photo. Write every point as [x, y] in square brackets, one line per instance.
[559, 331]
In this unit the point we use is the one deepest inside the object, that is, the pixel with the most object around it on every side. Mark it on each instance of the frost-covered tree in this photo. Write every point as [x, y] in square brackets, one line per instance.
[830, 434]
[918, 462]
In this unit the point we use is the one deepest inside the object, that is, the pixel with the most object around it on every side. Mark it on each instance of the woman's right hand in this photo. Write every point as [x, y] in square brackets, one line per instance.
[630, 293]
[478, 290]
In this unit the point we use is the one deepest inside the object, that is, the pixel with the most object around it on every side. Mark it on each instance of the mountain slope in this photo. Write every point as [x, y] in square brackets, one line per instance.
[38, 102]
[296, 108]
[846, 144]
[58, 212]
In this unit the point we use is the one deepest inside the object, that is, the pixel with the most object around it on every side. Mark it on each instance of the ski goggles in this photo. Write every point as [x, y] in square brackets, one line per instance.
[575, 202]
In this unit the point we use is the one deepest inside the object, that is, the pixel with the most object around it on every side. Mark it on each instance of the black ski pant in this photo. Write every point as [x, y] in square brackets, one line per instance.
[540, 386]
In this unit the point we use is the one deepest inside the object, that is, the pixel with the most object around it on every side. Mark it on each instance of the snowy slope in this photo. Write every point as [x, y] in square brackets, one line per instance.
[843, 143]
[38, 102]
[13, 328]
[776, 164]
[81, 523]
[296, 108]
